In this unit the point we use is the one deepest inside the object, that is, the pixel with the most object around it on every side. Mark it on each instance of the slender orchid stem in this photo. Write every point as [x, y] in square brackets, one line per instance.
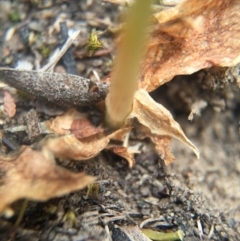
[125, 72]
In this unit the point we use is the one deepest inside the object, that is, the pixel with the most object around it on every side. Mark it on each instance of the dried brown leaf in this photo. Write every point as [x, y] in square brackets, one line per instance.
[124, 152]
[73, 122]
[34, 175]
[62, 124]
[157, 118]
[9, 104]
[68, 146]
[120, 134]
[83, 128]
[85, 141]
[192, 36]
[162, 147]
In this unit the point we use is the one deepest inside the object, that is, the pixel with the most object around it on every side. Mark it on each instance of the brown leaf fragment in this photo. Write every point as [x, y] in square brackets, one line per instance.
[157, 118]
[9, 104]
[120, 134]
[68, 146]
[73, 122]
[162, 147]
[83, 128]
[192, 36]
[34, 175]
[62, 124]
[124, 152]
[86, 140]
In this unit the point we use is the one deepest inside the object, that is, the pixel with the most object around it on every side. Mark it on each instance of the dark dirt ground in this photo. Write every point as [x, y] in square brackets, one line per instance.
[187, 195]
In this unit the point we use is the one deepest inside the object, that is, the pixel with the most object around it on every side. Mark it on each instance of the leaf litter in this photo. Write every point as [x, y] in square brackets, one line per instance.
[33, 174]
[81, 145]
[77, 139]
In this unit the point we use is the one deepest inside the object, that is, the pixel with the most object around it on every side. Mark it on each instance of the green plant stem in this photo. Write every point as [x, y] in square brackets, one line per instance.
[125, 72]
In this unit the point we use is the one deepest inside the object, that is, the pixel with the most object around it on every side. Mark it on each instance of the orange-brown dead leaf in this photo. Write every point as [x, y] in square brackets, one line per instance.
[120, 134]
[68, 146]
[162, 147]
[73, 122]
[85, 141]
[62, 124]
[157, 119]
[192, 36]
[83, 128]
[124, 152]
[32, 174]
[9, 104]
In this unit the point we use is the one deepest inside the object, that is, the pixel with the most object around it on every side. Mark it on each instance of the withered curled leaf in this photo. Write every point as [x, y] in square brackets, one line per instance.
[124, 152]
[162, 147]
[33, 174]
[83, 128]
[192, 36]
[68, 146]
[85, 141]
[157, 119]
[62, 124]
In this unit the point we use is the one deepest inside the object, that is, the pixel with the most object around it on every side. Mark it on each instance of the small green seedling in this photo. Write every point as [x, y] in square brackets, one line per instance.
[94, 44]
[14, 17]
[93, 190]
[45, 51]
[70, 218]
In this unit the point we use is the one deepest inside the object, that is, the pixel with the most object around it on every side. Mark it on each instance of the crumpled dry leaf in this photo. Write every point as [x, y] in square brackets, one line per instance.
[34, 175]
[68, 146]
[73, 122]
[81, 140]
[192, 36]
[62, 124]
[162, 147]
[124, 152]
[83, 128]
[158, 120]
[9, 104]
[120, 134]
